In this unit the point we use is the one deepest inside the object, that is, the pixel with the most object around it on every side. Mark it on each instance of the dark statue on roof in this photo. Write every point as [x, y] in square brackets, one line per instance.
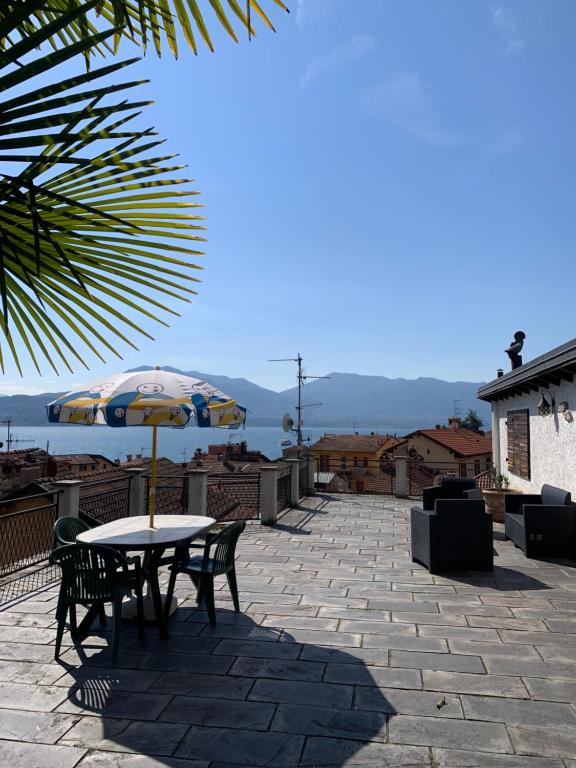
[515, 348]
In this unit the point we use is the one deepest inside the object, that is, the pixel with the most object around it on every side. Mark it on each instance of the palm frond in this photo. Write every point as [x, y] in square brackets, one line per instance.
[97, 229]
[140, 20]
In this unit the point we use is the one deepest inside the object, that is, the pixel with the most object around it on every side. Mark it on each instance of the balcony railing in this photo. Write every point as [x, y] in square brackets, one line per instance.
[26, 535]
[171, 495]
[283, 488]
[234, 498]
[104, 500]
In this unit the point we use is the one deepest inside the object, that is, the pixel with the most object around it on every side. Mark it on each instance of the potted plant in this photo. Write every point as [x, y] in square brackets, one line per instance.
[494, 496]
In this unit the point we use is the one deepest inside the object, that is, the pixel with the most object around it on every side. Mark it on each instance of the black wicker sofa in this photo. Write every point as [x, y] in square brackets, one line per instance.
[543, 524]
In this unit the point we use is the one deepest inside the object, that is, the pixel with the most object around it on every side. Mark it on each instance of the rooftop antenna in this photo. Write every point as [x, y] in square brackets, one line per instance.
[9, 439]
[287, 421]
[457, 410]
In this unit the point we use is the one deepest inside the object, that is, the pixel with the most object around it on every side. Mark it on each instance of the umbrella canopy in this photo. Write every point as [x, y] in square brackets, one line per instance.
[148, 399]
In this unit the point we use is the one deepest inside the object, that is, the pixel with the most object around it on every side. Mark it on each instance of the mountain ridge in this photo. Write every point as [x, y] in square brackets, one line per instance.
[347, 399]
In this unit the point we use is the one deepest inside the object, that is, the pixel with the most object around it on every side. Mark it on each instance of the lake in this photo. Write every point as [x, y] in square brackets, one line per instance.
[174, 444]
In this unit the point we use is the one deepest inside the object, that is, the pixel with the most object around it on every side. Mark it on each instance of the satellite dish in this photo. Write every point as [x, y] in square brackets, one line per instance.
[287, 422]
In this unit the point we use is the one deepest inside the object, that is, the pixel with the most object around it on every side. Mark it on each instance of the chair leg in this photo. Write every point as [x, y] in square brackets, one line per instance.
[102, 615]
[61, 613]
[73, 623]
[116, 621]
[207, 589]
[199, 587]
[170, 592]
[140, 610]
[231, 576]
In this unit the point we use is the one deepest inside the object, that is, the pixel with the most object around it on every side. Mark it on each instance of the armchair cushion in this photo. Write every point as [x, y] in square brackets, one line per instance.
[554, 496]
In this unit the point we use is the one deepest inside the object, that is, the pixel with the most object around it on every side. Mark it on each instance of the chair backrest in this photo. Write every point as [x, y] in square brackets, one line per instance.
[553, 496]
[225, 542]
[89, 572]
[459, 484]
[66, 529]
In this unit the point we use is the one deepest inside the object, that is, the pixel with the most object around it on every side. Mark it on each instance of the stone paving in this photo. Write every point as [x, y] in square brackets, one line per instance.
[345, 653]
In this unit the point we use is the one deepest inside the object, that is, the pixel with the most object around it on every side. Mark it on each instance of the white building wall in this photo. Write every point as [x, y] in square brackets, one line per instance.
[552, 441]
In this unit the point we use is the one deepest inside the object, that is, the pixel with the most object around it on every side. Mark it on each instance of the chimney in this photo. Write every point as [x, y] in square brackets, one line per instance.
[453, 422]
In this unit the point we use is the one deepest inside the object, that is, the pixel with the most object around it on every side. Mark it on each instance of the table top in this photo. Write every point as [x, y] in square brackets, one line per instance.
[135, 533]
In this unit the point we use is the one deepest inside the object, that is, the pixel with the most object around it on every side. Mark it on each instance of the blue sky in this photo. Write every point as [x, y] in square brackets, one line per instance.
[389, 189]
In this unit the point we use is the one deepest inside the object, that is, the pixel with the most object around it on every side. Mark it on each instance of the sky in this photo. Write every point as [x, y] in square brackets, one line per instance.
[388, 188]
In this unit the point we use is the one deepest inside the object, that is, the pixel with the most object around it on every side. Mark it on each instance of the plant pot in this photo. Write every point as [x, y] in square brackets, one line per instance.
[494, 501]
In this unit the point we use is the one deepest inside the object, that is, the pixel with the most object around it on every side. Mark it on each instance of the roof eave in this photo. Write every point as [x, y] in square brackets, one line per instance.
[552, 368]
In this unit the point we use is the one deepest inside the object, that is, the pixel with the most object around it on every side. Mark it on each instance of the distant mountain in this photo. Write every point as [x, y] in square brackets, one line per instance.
[346, 399]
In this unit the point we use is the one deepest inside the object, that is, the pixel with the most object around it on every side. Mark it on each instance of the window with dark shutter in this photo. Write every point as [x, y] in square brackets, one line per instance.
[519, 443]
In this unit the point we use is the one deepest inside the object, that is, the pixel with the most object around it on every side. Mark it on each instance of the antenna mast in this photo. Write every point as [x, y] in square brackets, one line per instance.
[301, 379]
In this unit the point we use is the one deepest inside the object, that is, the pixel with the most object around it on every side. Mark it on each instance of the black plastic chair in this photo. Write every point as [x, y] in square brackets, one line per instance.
[93, 575]
[449, 488]
[66, 529]
[543, 524]
[203, 568]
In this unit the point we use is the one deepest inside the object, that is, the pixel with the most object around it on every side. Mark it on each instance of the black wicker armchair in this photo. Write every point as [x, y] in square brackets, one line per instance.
[456, 535]
[449, 488]
[543, 524]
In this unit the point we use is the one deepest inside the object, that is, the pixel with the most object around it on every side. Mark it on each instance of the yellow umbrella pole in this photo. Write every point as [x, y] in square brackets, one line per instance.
[153, 477]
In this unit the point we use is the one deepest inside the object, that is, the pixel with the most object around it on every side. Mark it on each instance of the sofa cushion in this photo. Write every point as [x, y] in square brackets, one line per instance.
[555, 496]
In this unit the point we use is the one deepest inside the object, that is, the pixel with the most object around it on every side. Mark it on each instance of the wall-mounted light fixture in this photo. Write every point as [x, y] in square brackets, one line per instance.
[546, 404]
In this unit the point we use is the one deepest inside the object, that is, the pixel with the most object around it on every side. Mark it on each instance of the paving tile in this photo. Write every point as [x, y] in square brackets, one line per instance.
[242, 747]
[108, 678]
[293, 692]
[196, 663]
[251, 668]
[321, 751]
[357, 674]
[441, 661]
[405, 642]
[96, 759]
[518, 712]
[312, 637]
[222, 713]
[545, 741]
[32, 698]
[258, 649]
[529, 668]
[188, 683]
[331, 722]
[539, 638]
[24, 755]
[462, 682]
[300, 622]
[100, 702]
[125, 736]
[412, 617]
[508, 650]
[38, 727]
[450, 734]
[551, 690]
[450, 758]
[409, 702]
[460, 633]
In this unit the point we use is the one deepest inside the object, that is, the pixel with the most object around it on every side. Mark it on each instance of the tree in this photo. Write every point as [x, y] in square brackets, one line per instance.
[472, 421]
[95, 223]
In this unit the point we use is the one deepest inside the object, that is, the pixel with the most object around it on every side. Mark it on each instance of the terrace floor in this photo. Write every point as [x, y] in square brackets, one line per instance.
[346, 653]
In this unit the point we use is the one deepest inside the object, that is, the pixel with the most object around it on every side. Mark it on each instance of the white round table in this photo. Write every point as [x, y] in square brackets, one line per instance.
[134, 534]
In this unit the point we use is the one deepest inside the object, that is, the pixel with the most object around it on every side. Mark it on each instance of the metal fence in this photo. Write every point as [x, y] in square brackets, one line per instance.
[26, 534]
[171, 494]
[234, 498]
[283, 489]
[379, 476]
[104, 500]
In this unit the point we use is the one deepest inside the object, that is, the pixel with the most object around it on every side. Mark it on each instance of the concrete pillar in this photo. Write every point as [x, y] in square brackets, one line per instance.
[268, 494]
[197, 503]
[294, 481]
[137, 491]
[68, 498]
[311, 474]
[401, 463]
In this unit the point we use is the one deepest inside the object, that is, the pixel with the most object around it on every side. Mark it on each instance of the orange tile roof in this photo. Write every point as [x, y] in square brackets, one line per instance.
[463, 442]
[355, 443]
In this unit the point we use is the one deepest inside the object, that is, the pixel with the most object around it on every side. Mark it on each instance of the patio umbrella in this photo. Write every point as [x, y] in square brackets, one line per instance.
[148, 399]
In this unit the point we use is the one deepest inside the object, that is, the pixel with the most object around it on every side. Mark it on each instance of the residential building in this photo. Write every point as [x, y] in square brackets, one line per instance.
[448, 450]
[533, 427]
[356, 458]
